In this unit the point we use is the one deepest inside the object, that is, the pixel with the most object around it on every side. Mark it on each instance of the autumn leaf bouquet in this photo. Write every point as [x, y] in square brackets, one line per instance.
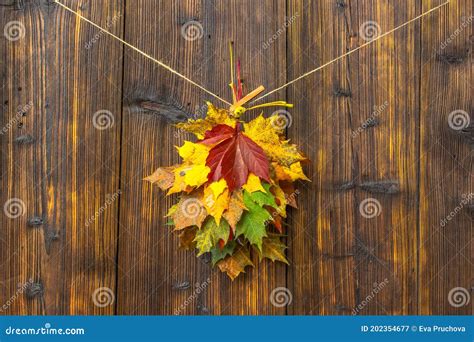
[236, 182]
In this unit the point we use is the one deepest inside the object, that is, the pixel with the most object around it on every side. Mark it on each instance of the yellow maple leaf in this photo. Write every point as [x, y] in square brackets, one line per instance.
[280, 199]
[217, 188]
[253, 184]
[179, 183]
[264, 132]
[214, 117]
[216, 205]
[292, 173]
[196, 175]
[193, 153]
[188, 176]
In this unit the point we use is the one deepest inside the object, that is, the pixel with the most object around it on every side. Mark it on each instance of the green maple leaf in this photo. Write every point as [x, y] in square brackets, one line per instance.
[253, 223]
[262, 198]
[209, 235]
[219, 254]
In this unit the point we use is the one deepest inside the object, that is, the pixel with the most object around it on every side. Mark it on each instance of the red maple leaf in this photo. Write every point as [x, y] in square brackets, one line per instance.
[234, 157]
[217, 134]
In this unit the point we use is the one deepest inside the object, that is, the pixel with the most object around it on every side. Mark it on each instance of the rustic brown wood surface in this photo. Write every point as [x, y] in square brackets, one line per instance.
[84, 120]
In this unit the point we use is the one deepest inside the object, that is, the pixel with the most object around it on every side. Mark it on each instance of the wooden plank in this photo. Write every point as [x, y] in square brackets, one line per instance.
[69, 179]
[154, 276]
[341, 257]
[64, 172]
[446, 167]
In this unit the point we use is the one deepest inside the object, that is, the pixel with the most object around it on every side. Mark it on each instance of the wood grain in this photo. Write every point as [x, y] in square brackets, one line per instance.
[64, 175]
[152, 269]
[375, 126]
[321, 277]
[446, 166]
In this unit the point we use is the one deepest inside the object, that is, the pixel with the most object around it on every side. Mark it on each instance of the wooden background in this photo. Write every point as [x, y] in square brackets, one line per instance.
[66, 171]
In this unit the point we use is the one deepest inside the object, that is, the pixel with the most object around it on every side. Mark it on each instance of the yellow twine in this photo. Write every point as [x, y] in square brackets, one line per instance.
[143, 53]
[350, 52]
[278, 103]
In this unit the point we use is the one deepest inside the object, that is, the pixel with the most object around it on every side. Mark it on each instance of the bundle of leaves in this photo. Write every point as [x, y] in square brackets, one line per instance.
[235, 182]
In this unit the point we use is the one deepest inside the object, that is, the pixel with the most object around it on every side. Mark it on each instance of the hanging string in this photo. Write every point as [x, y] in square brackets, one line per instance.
[269, 93]
[350, 52]
[143, 53]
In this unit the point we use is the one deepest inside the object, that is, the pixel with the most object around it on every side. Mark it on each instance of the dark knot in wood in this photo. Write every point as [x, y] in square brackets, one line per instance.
[202, 310]
[183, 285]
[347, 186]
[341, 3]
[34, 290]
[361, 251]
[371, 122]
[470, 208]
[50, 236]
[340, 92]
[342, 308]
[466, 133]
[15, 4]
[451, 58]
[387, 187]
[35, 221]
[170, 111]
[24, 140]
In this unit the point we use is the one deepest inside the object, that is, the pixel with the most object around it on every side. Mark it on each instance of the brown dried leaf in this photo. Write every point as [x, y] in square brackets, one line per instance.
[273, 249]
[186, 238]
[290, 193]
[163, 177]
[235, 264]
[236, 208]
[189, 212]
